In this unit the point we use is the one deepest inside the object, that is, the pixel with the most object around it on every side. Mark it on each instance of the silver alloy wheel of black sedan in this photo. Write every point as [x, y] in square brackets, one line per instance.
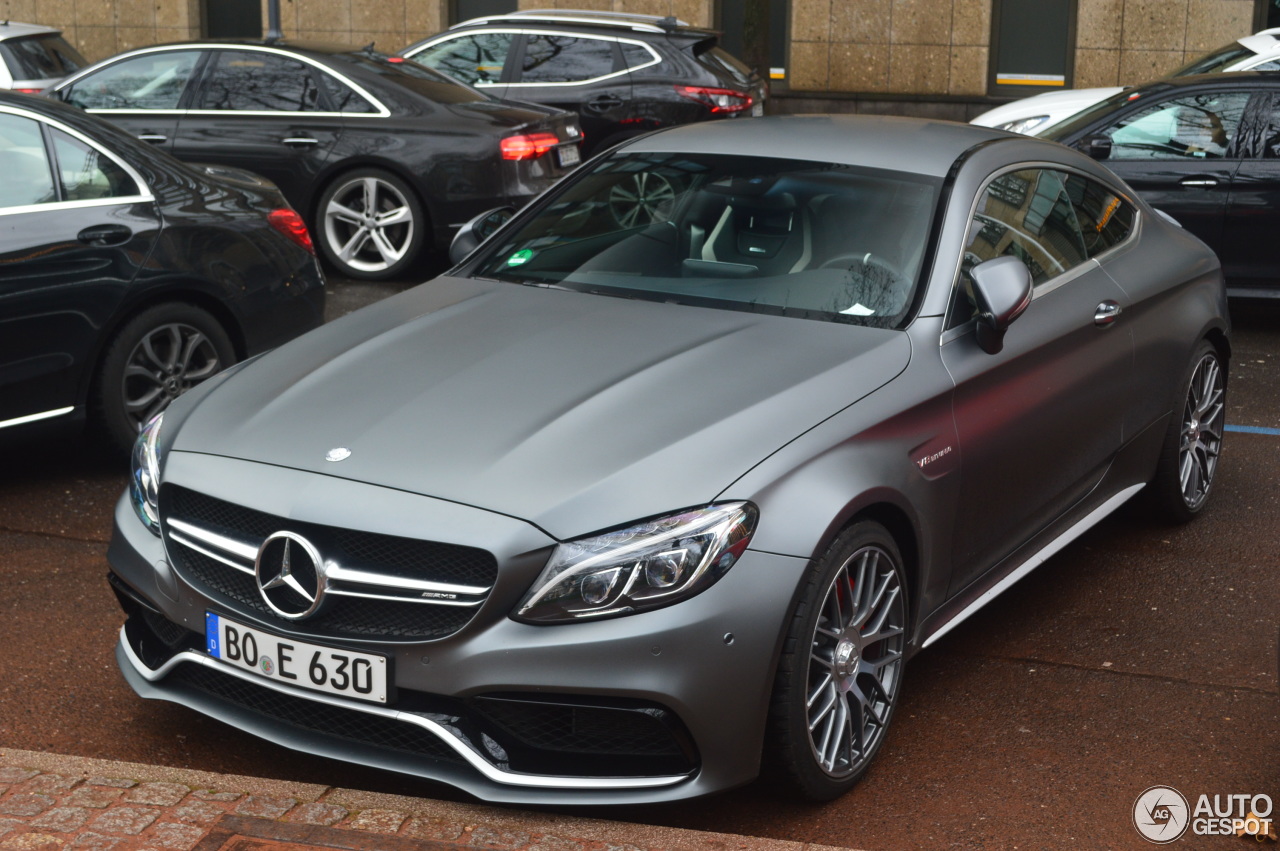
[1202, 421]
[371, 224]
[157, 356]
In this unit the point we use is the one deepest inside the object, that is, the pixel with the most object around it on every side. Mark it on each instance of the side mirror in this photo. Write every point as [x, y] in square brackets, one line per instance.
[476, 231]
[1097, 147]
[1002, 290]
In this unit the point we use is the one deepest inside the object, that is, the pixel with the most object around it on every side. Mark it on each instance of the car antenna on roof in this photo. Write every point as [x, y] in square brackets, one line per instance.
[274, 33]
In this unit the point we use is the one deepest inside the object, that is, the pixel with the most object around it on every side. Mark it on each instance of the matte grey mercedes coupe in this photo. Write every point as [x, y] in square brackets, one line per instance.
[680, 466]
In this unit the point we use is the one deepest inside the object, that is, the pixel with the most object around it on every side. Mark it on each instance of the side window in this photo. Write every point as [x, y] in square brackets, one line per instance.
[565, 59]
[87, 173]
[1025, 214]
[149, 81]
[343, 98]
[1105, 218]
[24, 164]
[474, 59]
[634, 55]
[248, 80]
[1191, 126]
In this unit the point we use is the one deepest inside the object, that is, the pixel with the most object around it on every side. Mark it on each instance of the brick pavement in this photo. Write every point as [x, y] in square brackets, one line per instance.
[51, 803]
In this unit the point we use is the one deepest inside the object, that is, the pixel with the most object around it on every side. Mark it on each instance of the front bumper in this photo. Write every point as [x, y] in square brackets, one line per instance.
[659, 706]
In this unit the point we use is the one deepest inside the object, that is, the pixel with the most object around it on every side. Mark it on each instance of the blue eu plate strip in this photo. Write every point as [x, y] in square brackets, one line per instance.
[211, 634]
[1253, 429]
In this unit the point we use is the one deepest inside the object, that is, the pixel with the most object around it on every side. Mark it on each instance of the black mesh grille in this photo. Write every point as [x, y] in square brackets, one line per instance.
[340, 617]
[583, 729]
[332, 721]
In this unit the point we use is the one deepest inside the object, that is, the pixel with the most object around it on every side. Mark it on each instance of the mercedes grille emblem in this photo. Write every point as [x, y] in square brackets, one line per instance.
[338, 453]
[290, 575]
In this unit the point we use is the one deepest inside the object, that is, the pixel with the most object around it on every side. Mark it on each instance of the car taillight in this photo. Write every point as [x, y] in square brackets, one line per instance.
[29, 91]
[717, 100]
[528, 146]
[289, 223]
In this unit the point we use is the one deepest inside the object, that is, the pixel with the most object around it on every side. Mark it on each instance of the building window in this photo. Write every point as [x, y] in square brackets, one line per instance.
[1032, 46]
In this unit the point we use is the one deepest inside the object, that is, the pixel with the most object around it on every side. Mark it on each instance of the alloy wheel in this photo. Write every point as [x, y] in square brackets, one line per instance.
[855, 662]
[168, 361]
[1201, 439]
[368, 224]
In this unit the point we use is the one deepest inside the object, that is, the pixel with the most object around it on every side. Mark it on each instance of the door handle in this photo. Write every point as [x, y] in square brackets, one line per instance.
[153, 138]
[104, 235]
[1199, 181]
[1105, 313]
[299, 141]
[602, 102]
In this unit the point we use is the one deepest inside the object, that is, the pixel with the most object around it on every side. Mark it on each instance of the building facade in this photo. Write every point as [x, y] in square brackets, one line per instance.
[948, 58]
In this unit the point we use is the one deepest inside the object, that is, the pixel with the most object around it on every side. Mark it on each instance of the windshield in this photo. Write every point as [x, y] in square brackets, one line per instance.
[1218, 60]
[1088, 115]
[787, 237]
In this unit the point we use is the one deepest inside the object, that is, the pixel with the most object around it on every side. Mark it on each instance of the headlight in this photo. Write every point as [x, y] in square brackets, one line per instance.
[649, 565]
[144, 481]
[1024, 125]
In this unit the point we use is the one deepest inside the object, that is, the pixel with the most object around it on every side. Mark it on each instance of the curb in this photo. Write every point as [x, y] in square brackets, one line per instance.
[51, 801]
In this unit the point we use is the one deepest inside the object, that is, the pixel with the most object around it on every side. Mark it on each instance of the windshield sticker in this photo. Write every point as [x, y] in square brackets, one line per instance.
[520, 257]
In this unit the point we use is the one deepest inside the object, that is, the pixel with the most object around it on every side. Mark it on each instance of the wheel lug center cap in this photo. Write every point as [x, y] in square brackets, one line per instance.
[846, 657]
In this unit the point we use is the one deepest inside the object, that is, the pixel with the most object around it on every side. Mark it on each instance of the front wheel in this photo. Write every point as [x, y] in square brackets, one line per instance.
[371, 225]
[1189, 459]
[841, 667]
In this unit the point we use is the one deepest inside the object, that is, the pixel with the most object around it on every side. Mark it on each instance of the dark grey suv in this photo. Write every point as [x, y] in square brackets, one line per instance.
[623, 74]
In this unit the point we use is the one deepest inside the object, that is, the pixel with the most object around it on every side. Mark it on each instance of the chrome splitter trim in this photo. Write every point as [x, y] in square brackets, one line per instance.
[473, 758]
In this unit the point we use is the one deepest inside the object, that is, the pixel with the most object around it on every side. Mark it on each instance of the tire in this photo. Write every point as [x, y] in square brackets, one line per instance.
[370, 225]
[155, 357]
[1189, 457]
[841, 665]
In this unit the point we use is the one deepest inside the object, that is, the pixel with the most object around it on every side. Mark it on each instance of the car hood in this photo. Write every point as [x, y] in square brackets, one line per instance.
[1057, 105]
[575, 412]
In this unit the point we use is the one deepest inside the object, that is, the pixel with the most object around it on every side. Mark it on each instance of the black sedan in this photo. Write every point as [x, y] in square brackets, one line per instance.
[127, 277]
[1205, 150]
[383, 157]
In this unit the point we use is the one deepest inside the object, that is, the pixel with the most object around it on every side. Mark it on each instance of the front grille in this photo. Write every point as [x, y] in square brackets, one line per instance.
[331, 721]
[341, 617]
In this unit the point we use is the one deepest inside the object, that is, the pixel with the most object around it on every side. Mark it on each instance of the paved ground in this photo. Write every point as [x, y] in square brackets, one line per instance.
[1141, 655]
[52, 802]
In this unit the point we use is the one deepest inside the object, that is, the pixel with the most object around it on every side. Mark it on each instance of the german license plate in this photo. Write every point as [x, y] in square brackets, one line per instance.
[569, 155]
[348, 673]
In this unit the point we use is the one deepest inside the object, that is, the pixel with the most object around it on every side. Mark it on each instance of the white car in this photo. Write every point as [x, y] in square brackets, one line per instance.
[1034, 115]
[34, 57]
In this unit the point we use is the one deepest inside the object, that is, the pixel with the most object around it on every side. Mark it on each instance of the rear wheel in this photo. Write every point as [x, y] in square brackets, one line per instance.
[1189, 459]
[841, 666]
[157, 356]
[371, 225]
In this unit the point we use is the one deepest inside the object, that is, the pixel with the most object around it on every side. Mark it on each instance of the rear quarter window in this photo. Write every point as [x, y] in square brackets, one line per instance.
[41, 57]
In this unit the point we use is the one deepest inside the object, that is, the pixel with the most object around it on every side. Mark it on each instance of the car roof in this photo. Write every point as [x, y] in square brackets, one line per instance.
[585, 18]
[15, 29]
[918, 145]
